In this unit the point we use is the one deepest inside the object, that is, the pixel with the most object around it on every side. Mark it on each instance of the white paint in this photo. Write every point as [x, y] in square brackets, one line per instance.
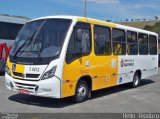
[54, 84]
[114, 63]
[87, 63]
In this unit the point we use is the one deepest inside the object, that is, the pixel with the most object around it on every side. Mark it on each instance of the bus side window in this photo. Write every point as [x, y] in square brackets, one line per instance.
[143, 44]
[132, 43]
[153, 45]
[79, 44]
[102, 40]
[82, 40]
[118, 41]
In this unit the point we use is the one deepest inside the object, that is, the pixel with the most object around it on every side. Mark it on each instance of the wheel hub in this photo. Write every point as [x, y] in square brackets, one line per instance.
[136, 80]
[82, 91]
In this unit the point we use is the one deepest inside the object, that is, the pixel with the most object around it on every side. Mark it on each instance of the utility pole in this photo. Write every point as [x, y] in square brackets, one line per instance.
[85, 8]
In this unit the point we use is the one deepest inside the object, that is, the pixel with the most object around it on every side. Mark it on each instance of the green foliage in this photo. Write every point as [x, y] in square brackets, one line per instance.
[154, 28]
[139, 24]
[157, 24]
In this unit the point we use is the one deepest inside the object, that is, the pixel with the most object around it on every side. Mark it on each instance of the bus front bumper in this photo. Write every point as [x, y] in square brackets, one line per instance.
[44, 88]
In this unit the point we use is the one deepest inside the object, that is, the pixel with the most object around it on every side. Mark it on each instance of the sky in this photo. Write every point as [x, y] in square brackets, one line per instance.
[115, 10]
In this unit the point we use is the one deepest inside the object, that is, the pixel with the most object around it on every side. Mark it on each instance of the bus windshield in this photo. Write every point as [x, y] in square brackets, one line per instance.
[41, 38]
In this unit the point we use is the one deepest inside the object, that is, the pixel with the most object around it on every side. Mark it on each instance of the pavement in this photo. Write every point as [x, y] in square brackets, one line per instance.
[118, 99]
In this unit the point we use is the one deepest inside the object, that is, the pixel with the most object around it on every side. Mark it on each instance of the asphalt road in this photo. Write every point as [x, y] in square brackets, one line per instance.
[119, 99]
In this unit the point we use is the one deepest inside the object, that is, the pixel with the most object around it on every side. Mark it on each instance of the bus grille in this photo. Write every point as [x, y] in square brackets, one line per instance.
[27, 75]
[29, 87]
[17, 74]
[32, 75]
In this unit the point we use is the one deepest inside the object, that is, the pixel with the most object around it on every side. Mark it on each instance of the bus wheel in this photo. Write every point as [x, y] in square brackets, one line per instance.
[82, 91]
[136, 80]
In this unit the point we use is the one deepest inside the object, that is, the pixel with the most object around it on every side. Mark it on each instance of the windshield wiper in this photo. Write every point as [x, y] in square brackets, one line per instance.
[30, 39]
[39, 53]
[40, 50]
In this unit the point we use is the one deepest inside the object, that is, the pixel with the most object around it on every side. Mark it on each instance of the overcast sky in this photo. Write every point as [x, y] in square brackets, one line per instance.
[99, 9]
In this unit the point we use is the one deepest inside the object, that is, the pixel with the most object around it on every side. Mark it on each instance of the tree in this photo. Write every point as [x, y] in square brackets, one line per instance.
[148, 27]
[155, 28]
[108, 20]
[126, 19]
[138, 19]
[157, 25]
[156, 18]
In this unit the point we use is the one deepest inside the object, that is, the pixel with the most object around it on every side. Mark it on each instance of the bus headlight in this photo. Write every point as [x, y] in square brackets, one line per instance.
[7, 70]
[50, 73]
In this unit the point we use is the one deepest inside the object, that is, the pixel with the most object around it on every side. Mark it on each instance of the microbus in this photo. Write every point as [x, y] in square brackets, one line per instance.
[63, 56]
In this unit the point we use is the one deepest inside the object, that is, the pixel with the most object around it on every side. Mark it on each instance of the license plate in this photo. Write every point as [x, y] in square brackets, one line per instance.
[23, 92]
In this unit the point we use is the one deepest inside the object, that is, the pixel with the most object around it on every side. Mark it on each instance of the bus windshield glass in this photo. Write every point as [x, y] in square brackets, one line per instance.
[41, 38]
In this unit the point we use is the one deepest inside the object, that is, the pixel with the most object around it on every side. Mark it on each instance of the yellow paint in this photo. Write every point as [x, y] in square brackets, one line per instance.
[100, 68]
[69, 88]
[19, 68]
[94, 21]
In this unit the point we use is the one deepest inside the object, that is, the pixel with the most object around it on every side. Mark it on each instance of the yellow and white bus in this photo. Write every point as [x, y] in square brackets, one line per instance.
[62, 56]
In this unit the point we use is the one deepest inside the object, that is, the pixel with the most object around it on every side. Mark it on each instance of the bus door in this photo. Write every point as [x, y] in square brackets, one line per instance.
[77, 57]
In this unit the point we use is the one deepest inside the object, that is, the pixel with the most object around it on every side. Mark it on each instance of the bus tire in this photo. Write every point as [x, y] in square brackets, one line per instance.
[82, 92]
[136, 80]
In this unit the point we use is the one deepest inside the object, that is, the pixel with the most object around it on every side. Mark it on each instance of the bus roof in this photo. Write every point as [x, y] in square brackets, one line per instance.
[100, 22]
[13, 19]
